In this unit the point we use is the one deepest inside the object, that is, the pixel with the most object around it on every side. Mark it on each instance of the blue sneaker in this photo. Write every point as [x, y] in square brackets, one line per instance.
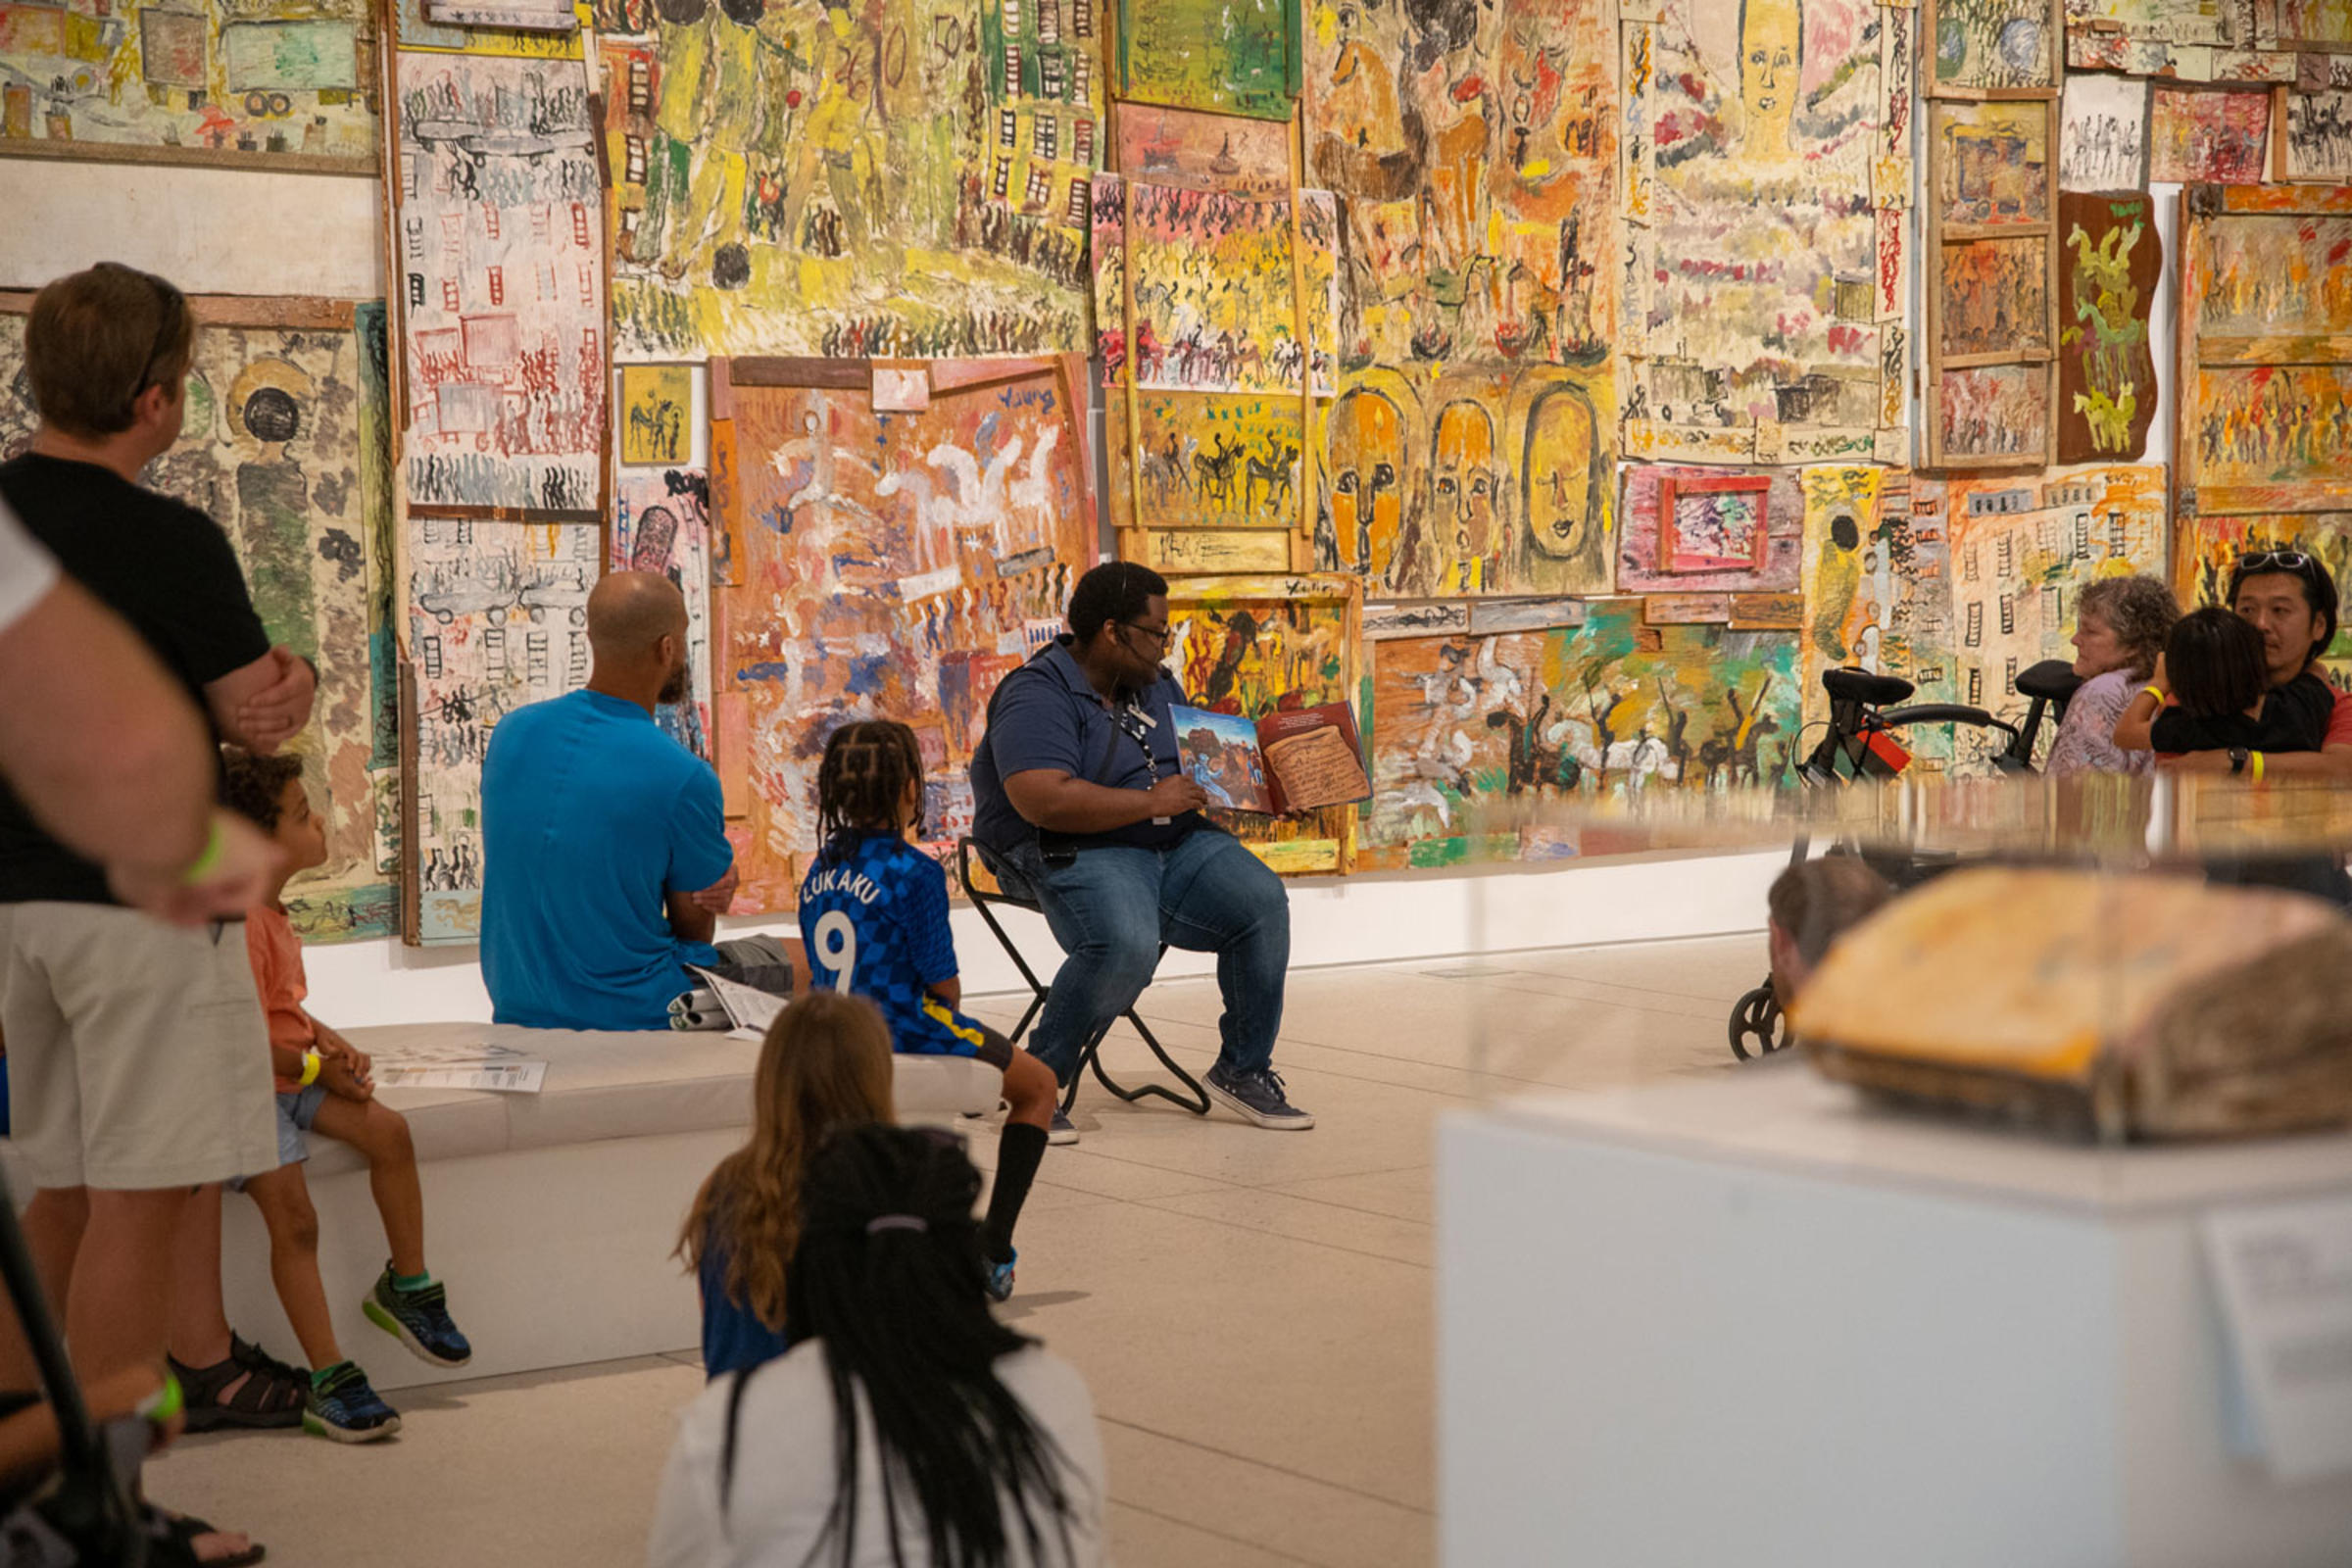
[1062, 1133]
[999, 1280]
[1257, 1096]
[419, 1319]
[342, 1406]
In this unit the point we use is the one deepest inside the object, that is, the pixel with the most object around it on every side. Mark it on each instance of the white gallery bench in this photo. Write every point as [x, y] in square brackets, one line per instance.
[550, 1216]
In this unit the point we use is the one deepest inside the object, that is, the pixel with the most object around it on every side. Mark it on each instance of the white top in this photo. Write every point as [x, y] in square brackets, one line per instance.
[1779, 1113]
[26, 573]
[786, 1468]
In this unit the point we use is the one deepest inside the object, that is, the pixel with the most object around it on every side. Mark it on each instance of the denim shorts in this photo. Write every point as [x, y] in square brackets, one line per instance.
[296, 1113]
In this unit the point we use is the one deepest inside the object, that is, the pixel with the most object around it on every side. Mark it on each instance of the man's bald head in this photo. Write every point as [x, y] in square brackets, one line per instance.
[629, 614]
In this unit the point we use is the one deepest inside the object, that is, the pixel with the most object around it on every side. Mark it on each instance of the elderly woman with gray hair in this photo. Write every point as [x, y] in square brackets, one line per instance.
[2120, 627]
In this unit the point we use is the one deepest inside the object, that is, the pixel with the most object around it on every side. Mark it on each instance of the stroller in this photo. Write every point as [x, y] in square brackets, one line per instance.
[86, 1514]
[1861, 745]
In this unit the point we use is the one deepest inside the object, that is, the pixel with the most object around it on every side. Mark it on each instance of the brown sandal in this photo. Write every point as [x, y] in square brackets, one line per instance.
[271, 1393]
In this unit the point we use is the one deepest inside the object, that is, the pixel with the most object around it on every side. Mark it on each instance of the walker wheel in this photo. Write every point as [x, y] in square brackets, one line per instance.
[1756, 1017]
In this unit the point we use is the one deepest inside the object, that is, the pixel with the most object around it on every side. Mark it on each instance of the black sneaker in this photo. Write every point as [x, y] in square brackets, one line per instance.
[343, 1407]
[419, 1319]
[1259, 1096]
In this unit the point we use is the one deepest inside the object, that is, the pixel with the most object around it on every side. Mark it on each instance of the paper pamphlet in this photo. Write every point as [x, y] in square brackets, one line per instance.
[1294, 760]
[501, 1069]
[748, 1008]
[2284, 1274]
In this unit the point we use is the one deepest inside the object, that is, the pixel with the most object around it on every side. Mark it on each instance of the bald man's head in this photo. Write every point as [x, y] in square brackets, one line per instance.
[629, 614]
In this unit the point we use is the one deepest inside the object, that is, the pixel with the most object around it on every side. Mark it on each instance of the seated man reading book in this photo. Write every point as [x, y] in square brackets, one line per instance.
[1078, 787]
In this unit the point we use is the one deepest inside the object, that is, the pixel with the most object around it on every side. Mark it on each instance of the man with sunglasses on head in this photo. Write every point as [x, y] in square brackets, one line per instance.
[2289, 597]
[136, 1056]
[1076, 787]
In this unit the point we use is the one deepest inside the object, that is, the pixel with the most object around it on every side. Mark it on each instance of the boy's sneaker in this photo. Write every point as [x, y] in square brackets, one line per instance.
[419, 1319]
[1257, 1096]
[1062, 1131]
[342, 1406]
[999, 1278]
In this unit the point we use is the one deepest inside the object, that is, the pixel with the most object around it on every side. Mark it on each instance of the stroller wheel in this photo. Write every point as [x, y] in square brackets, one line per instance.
[1756, 1018]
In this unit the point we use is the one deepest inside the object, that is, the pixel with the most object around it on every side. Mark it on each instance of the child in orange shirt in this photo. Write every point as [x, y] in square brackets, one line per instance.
[323, 1083]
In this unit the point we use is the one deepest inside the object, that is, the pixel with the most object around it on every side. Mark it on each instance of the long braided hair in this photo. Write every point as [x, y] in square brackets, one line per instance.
[888, 1278]
[861, 781]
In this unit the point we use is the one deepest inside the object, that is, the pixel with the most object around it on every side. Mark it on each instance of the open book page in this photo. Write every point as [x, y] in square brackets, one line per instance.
[747, 1007]
[1318, 767]
[1219, 752]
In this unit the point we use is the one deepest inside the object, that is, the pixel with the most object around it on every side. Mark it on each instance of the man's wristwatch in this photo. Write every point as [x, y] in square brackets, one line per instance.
[2238, 758]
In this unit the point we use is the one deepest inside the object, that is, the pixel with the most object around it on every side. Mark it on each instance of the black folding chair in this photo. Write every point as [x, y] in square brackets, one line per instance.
[1013, 893]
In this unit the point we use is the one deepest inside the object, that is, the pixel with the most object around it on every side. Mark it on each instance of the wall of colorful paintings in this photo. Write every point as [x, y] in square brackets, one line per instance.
[1565, 385]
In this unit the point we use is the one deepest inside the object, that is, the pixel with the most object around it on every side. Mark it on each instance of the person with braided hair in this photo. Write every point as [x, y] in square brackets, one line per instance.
[874, 918]
[906, 1424]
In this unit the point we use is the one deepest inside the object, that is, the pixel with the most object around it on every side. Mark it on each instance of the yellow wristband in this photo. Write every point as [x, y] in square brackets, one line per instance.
[2155, 692]
[310, 1068]
[215, 847]
[2256, 768]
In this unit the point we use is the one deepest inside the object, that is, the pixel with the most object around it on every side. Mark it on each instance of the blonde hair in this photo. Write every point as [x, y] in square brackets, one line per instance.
[824, 1065]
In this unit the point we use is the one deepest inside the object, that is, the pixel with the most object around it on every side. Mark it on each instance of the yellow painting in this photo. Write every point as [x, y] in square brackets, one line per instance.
[657, 402]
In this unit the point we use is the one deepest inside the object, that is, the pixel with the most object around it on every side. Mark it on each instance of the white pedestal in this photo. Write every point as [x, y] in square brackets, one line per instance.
[1754, 1320]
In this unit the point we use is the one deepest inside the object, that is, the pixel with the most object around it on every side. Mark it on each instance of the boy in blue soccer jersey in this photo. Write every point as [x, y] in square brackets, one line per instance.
[874, 916]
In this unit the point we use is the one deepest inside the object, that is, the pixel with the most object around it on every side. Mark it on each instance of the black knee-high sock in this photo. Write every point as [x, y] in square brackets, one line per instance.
[1019, 1148]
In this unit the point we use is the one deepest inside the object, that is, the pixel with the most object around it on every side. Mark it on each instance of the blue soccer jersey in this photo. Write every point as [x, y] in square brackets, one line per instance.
[874, 914]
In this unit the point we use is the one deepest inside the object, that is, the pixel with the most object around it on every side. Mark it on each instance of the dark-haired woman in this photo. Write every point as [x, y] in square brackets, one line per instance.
[907, 1428]
[874, 916]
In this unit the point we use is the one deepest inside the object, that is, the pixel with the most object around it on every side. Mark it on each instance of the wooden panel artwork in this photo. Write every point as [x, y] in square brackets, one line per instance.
[1992, 283]
[2265, 403]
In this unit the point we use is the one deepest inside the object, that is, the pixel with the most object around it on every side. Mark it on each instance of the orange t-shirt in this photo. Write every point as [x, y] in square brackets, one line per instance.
[276, 955]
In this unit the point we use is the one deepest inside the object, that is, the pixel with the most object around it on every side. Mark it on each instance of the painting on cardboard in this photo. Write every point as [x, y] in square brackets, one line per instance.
[897, 181]
[1752, 153]
[2021, 551]
[2209, 134]
[887, 566]
[1206, 460]
[2315, 139]
[1996, 415]
[286, 445]
[1476, 151]
[282, 83]
[1475, 481]
[1473, 737]
[1203, 152]
[1878, 594]
[1994, 45]
[1238, 57]
[1992, 163]
[1250, 645]
[2111, 262]
[1216, 305]
[2103, 133]
[501, 255]
[657, 402]
[1995, 296]
[1708, 530]
[498, 618]
[662, 525]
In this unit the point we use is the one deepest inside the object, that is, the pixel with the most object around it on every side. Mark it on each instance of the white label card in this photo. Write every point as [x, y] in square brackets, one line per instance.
[2284, 1273]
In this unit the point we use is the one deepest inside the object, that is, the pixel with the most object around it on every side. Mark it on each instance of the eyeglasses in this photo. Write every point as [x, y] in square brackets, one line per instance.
[2276, 561]
[1158, 634]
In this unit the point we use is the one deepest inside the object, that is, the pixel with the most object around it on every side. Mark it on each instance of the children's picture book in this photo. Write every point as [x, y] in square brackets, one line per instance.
[1293, 759]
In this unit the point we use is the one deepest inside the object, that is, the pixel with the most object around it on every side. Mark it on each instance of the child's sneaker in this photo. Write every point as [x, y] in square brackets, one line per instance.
[997, 1281]
[419, 1319]
[342, 1406]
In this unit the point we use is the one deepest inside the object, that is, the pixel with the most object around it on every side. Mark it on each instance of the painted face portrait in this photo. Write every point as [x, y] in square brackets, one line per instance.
[1771, 44]
[1566, 517]
[1462, 482]
[1368, 459]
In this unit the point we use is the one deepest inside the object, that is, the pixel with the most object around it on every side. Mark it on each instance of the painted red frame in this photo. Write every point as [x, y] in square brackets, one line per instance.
[1670, 488]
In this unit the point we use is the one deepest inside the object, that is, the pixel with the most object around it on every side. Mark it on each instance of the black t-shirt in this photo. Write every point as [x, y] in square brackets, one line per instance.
[163, 566]
[2294, 718]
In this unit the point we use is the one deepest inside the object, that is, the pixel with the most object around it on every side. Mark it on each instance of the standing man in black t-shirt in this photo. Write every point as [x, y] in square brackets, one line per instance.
[136, 1058]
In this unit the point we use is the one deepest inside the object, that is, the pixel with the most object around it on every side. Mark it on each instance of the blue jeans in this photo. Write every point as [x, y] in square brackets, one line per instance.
[1111, 908]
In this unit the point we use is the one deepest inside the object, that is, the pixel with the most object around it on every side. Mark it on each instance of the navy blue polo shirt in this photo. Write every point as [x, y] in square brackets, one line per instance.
[1047, 715]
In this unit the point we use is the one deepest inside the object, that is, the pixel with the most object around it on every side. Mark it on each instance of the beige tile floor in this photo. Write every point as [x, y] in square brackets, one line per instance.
[1251, 1309]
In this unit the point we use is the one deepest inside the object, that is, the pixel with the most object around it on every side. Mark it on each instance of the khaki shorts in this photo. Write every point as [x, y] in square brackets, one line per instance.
[137, 1056]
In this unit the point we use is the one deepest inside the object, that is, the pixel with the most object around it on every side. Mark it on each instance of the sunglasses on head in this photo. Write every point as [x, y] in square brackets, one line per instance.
[2276, 561]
